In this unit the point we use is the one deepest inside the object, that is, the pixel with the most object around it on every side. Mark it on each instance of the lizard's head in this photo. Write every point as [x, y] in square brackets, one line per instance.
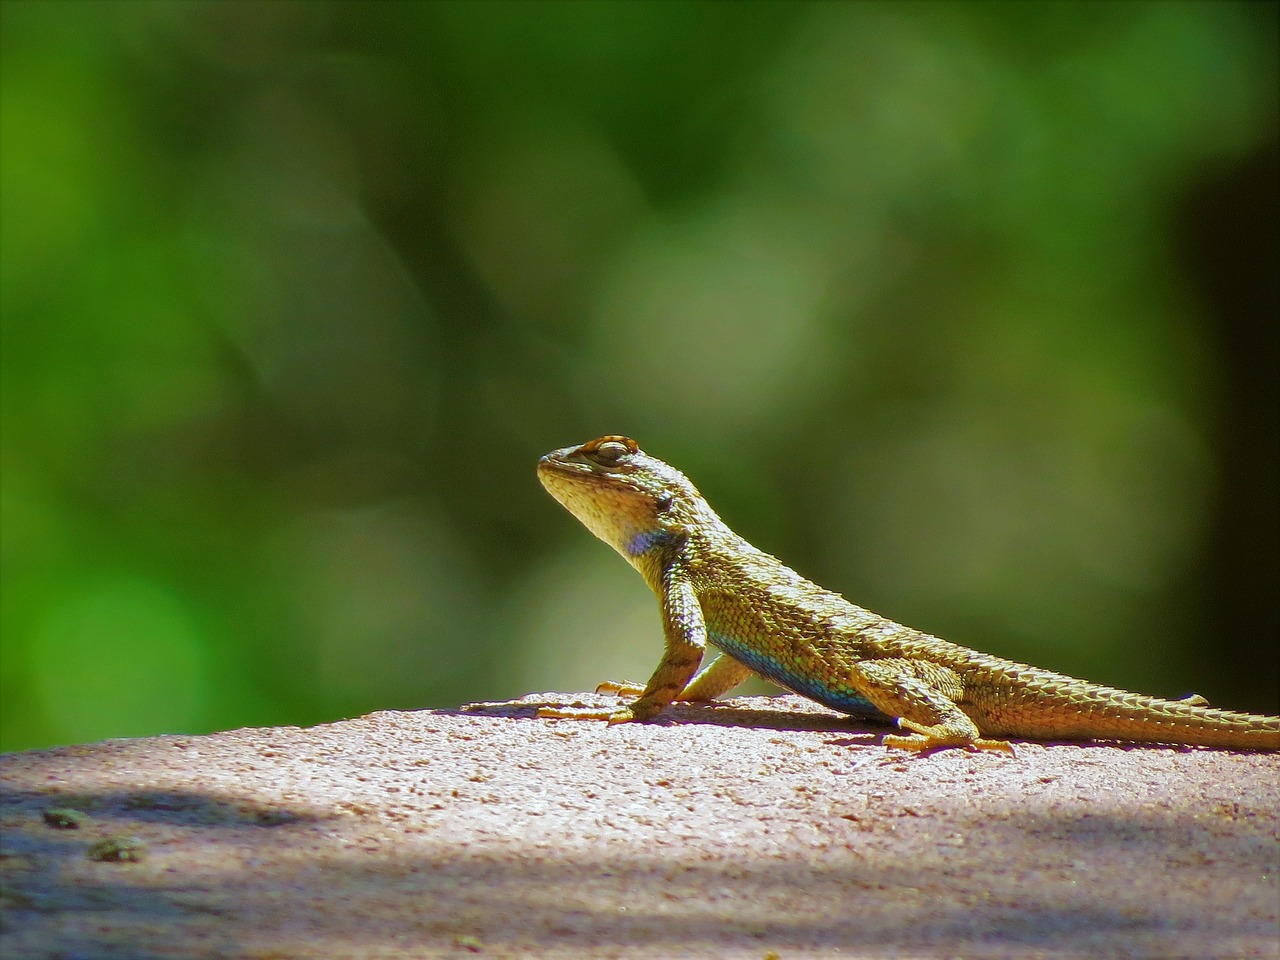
[630, 500]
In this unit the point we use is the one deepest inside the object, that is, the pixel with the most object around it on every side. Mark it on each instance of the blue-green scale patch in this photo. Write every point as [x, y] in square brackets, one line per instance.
[646, 540]
[844, 700]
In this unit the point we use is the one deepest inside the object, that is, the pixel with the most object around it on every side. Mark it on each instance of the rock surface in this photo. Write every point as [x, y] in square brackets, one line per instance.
[760, 827]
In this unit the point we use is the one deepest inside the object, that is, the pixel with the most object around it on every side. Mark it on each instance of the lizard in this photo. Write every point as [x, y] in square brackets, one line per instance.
[716, 589]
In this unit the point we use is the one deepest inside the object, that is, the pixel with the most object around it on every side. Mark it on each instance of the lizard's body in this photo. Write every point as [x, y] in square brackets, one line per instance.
[714, 587]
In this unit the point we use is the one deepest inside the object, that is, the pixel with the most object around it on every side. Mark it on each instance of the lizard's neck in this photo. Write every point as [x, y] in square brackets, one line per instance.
[680, 538]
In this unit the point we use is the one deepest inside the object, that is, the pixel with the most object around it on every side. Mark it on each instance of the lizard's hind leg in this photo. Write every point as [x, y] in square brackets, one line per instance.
[923, 697]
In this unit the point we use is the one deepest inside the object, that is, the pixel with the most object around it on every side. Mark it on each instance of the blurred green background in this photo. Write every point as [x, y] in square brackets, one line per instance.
[968, 311]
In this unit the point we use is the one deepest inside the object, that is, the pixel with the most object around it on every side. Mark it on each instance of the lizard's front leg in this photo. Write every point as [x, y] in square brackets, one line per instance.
[719, 676]
[686, 638]
[923, 697]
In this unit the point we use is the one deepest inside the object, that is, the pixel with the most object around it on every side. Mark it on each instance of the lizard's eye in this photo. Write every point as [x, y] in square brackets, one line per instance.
[610, 453]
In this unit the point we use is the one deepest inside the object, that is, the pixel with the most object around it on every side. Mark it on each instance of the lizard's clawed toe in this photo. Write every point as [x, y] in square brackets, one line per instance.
[621, 689]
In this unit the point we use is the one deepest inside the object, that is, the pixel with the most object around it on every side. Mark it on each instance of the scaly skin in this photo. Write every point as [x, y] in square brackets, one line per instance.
[716, 588]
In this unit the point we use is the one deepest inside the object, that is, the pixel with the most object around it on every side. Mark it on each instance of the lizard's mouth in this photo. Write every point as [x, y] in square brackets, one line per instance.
[560, 477]
[556, 472]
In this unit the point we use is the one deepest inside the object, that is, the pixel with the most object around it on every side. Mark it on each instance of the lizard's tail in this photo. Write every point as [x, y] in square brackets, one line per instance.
[1102, 713]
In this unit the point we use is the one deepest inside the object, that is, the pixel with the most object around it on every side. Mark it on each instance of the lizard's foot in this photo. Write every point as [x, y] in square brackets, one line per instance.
[921, 744]
[612, 715]
[635, 689]
[929, 738]
[623, 689]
